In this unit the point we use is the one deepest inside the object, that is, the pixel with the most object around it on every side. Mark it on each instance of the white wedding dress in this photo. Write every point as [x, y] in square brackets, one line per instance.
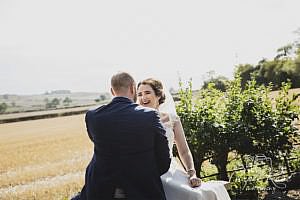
[175, 181]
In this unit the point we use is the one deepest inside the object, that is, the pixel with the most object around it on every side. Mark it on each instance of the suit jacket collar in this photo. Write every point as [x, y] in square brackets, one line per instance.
[122, 99]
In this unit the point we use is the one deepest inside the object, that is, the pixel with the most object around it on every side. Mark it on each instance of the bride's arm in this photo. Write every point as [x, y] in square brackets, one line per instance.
[182, 146]
[185, 153]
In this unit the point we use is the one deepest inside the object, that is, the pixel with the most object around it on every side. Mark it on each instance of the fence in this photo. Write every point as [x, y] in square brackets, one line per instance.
[260, 158]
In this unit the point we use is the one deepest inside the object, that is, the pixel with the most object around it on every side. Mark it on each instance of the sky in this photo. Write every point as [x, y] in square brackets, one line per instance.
[78, 45]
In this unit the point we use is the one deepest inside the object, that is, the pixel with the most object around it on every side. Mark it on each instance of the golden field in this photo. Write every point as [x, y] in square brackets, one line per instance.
[43, 159]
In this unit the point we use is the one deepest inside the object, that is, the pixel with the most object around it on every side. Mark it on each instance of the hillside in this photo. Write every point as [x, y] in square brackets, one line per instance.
[38, 102]
[291, 92]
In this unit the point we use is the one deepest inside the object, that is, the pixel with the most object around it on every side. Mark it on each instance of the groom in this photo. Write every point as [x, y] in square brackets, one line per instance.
[130, 147]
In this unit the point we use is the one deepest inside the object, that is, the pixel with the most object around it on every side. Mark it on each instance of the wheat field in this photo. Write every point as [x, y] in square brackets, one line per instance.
[43, 159]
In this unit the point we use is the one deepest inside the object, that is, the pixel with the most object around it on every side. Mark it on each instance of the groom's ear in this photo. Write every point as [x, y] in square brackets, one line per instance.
[132, 89]
[112, 91]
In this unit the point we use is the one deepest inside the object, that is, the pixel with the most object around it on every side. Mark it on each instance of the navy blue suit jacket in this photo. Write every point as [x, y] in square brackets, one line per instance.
[130, 152]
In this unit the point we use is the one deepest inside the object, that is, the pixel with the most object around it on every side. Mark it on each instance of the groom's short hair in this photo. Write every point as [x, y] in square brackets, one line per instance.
[121, 81]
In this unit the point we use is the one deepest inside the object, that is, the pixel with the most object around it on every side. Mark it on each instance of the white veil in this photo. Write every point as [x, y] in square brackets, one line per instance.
[169, 105]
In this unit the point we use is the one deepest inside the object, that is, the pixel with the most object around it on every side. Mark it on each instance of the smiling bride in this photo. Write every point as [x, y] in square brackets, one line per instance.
[178, 183]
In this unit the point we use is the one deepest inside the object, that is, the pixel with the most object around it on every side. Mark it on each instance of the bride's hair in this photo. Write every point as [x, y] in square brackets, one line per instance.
[157, 86]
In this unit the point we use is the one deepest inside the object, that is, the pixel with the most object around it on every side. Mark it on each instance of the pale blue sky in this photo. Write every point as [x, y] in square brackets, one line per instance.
[78, 45]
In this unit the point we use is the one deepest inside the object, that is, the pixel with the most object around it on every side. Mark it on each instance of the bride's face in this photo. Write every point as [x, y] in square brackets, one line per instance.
[147, 97]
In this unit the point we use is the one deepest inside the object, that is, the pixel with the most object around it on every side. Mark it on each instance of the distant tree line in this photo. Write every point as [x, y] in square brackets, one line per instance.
[55, 102]
[284, 67]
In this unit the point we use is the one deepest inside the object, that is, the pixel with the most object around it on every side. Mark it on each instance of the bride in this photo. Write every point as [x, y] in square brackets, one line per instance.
[178, 183]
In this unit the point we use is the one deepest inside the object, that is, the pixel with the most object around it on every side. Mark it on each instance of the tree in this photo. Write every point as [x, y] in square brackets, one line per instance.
[200, 121]
[245, 121]
[244, 71]
[286, 111]
[52, 104]
[3, 107]
[229, 138]
[284, 52]
[256, 122]
[102, 97]
[219, 82]
[55, 102]
[67, 101]
[296, 70]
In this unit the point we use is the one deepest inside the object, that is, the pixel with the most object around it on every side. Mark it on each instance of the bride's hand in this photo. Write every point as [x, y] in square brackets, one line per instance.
[195, 181]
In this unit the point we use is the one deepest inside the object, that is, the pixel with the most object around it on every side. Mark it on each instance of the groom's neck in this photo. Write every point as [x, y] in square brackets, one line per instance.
[124, 95]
